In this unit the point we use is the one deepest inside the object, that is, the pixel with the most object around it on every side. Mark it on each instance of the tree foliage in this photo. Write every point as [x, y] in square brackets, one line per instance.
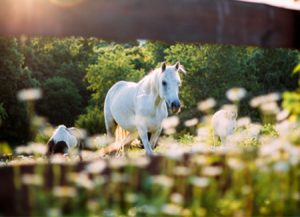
[61, 101]
[13, 77]
[76, 73]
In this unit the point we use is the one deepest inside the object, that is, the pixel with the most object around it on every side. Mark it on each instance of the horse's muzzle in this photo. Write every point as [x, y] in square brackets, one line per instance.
[175, 107]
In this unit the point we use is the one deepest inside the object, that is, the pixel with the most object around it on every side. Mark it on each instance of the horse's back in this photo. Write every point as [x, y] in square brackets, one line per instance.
[119, 103]
[120, 87]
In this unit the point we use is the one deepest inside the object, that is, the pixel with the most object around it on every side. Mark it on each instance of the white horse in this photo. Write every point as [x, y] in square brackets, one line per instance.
[140, 107]
[223, 124]
[64, 139]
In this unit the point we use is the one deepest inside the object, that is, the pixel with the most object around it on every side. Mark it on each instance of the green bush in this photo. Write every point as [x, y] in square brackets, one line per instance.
[92, 121]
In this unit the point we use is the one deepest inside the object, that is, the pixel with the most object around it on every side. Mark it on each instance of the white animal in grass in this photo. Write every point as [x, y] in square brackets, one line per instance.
[64, 139]
[140, 107]
[223, 124]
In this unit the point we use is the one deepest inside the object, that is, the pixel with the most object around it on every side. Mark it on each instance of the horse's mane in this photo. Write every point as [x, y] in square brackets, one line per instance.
[148, 81]
[149, 74]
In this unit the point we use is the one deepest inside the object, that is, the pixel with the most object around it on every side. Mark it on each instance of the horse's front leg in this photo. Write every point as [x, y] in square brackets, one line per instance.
[143, 133]
[154, 138]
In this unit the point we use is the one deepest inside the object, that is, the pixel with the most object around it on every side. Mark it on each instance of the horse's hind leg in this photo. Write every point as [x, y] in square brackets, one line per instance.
[111, 127]
[110, 123]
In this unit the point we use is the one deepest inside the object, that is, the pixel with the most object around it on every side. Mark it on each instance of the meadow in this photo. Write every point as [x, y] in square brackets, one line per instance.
[255, 173]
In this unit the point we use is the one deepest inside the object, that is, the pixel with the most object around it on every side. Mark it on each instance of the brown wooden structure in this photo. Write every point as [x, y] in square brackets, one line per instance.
[205, 21]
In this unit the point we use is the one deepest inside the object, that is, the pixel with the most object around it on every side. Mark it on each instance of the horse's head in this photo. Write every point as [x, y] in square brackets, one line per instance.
[169, 85]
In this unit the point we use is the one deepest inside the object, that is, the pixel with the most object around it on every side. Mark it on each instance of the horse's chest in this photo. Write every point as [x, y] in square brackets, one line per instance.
[149, 113]
[153, 122]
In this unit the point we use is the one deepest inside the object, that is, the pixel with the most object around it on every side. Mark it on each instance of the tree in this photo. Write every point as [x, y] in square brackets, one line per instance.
[61, 102]
[213, 69]
[92, 120]
[13, 77]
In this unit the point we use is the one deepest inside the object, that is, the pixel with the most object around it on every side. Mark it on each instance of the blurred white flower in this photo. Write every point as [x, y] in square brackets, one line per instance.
[170, 122]
[175, 153]
[22, 150]
[203, 132]
[254, 130]
[270, 108]
[58, 158]
[98, 141]
[32, 179]
[259, 100]
[181, 171]
[200, 160]
[268, 149]
[235, 163]
[191, 122]
[37, 148]
[276, 147]
[139, 161]
[212, 170]
[282, 115]
[131, 197]
[96, 167]
[256, 101]
[170, 131]
[231, 147]
[21, 160]
[272, 97]
[32, 148]
[200, 182]
[235, 139]
[81, 180]
[53, 212]
[200, 147]
[29, 94]
[285, 127]
[117, 162]
[171, 209]
[243, 122]
[236, 94]
[176, 198]
[163, 180]
[64, 191]
[207, 104]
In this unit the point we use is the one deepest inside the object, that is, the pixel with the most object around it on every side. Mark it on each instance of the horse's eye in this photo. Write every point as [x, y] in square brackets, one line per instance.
[164, 83]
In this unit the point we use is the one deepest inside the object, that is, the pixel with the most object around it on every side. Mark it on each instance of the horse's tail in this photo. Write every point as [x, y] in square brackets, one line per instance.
[120, 134]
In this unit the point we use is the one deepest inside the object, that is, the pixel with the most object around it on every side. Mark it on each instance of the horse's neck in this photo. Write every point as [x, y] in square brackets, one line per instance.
[150, 86]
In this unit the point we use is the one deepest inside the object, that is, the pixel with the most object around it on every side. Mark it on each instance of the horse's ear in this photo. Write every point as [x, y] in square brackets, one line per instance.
[163, 66]
[179, 67]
